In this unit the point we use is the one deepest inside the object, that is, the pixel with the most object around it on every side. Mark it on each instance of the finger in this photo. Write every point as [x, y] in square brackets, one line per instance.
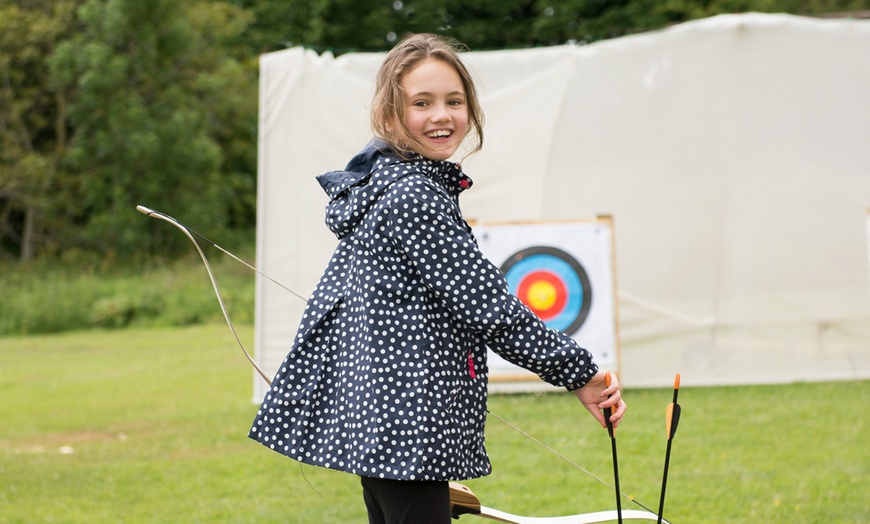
[618, 413]
[599, 416]
[611, 400]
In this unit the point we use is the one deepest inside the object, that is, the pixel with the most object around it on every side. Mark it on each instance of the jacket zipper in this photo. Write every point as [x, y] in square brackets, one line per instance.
[471, 365]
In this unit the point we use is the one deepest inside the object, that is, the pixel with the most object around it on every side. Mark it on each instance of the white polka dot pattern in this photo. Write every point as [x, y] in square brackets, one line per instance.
[387, 374]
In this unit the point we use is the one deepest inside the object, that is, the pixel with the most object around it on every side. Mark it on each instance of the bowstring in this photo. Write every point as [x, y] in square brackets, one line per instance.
[234, 257]
[192, 231]
[565, 458]
[279, 284]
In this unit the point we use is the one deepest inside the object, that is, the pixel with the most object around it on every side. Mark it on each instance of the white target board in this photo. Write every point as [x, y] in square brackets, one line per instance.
[564, 272]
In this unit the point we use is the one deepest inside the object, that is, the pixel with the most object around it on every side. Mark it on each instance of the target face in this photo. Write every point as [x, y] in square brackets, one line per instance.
[552, 284]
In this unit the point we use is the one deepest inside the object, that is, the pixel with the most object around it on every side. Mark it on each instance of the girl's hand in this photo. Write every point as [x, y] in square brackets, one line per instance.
[594, 397]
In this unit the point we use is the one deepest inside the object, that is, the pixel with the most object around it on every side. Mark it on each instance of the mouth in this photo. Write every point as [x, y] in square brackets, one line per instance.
[439, 133]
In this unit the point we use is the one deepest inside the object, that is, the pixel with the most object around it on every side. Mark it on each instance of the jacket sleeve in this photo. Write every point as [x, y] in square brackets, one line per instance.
[426, 225]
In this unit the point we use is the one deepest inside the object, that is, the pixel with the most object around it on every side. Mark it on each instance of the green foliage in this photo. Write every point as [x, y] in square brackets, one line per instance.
[149, 425]
[374, 25]
[32, 110]
[143, 76]
[82, 293]
[106, 104]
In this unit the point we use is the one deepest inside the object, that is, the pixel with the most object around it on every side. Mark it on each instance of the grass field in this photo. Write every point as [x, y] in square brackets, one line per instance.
[149, 425]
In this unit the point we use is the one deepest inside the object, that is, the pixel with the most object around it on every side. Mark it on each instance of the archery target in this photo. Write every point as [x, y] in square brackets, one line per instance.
[553, 284]
[564, 273]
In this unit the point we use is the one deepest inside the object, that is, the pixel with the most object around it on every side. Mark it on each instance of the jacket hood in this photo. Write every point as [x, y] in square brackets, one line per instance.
[355, 189]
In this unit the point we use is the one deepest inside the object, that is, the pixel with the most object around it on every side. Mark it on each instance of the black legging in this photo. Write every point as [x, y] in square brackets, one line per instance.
[406, 502]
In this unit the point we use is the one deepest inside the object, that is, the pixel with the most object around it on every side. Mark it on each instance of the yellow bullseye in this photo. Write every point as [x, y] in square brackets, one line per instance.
[541, 295]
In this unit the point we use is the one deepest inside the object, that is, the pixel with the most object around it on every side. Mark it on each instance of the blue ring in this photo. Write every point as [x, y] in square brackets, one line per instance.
[562, 265]
[563, 271]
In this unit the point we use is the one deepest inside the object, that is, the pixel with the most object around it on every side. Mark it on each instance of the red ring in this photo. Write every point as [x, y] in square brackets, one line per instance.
[555, 281]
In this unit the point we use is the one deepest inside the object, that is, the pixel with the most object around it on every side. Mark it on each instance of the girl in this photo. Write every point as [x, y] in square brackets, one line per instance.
[387, 376]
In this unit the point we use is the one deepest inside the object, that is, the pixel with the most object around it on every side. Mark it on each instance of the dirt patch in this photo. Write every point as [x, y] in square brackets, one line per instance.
[60, 442]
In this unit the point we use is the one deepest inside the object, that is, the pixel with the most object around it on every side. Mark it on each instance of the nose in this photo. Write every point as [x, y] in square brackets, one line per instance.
[440, 113]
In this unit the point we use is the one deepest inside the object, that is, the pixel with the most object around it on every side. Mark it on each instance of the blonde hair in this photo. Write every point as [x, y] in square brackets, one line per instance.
[388, 104]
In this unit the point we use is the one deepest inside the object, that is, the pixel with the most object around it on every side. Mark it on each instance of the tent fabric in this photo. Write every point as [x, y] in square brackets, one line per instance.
[731, 153]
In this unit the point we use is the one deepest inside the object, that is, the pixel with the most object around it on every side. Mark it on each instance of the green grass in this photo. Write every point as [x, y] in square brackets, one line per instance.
[149, 425]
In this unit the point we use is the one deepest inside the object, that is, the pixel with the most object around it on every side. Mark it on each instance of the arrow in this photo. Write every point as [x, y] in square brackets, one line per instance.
[672, 419]
[612, 432]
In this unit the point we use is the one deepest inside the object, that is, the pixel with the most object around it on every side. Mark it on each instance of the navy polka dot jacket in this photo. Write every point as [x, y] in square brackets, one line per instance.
[387, 374]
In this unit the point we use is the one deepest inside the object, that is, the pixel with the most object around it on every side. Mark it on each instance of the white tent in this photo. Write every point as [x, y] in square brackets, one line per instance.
[733, 154]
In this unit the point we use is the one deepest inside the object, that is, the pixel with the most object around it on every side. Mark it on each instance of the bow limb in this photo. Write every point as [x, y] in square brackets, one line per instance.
[166, 218]
[464, 501]
[582, 518]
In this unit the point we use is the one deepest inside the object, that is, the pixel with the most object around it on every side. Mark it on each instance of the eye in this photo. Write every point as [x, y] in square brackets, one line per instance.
[420, 103]
[456, 102]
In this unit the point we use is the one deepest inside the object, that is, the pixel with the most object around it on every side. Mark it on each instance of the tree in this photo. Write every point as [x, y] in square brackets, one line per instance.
[591, 20]
[105, 104]
[375, 25]
[147, 118]
[33, 136]
[338, 25]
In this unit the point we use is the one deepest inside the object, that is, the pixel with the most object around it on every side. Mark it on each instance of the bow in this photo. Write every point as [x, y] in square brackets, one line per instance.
[463, 501]
[217, 291]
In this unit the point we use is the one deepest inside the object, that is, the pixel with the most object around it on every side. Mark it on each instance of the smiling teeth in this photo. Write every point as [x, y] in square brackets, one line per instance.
[438, 134]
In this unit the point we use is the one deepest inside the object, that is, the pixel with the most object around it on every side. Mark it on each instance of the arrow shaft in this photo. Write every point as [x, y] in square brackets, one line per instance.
[616, 480]
[607, 413]
[664, 481]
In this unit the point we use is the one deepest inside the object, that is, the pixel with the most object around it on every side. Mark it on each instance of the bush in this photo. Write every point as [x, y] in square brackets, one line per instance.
[51, 298]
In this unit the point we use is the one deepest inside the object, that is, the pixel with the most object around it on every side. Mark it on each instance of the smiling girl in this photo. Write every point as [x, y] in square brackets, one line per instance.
[387, 376]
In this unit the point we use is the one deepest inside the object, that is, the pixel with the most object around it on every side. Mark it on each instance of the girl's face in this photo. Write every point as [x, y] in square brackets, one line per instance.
[435, 108]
